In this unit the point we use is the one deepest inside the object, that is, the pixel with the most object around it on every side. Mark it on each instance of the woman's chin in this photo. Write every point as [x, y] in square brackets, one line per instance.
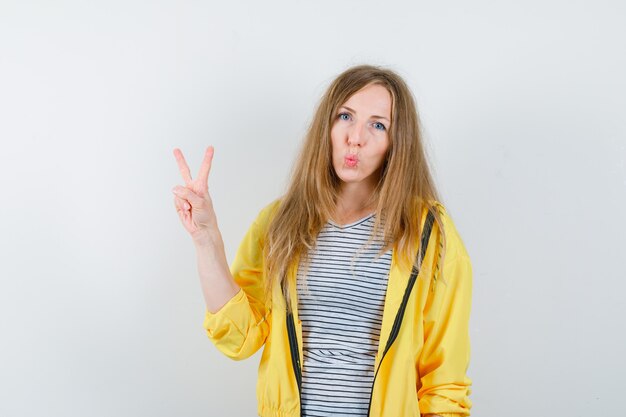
[351, 178]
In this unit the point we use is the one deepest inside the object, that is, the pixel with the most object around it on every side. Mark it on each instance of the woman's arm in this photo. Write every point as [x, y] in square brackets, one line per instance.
[195, 209]
[218, 284]
[240, 327]
[235, 318]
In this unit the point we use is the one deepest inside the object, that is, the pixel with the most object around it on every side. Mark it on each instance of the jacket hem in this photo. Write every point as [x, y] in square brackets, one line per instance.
[274, 412]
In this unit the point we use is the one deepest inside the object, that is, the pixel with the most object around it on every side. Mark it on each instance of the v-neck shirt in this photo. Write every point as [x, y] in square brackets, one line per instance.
[341, 318]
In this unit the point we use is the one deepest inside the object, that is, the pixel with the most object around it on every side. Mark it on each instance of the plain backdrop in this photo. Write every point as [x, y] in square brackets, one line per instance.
[101, 310]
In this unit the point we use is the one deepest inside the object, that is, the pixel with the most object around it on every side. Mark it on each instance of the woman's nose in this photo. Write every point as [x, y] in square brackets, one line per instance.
[356, 134]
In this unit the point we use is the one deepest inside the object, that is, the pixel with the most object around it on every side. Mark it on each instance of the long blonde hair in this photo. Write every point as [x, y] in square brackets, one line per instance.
[405, 189]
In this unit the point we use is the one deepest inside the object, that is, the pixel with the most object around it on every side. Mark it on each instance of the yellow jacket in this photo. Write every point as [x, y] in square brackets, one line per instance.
[424, 370]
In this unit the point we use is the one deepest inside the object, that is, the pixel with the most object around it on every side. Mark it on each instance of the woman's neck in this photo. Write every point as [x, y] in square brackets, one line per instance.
[353, 203]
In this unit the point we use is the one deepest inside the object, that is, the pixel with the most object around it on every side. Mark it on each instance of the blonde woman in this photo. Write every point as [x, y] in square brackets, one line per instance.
[355, 282]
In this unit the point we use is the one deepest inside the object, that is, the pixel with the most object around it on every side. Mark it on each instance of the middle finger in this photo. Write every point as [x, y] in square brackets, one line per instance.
[205, 168]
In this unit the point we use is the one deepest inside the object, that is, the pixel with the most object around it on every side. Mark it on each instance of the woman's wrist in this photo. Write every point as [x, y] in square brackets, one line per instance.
[205, 240]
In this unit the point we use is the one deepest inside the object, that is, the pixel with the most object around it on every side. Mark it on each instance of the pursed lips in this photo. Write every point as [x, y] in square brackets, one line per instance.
[351, 160]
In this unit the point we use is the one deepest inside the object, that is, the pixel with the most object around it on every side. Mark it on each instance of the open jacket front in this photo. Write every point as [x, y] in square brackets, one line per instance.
[424, 370]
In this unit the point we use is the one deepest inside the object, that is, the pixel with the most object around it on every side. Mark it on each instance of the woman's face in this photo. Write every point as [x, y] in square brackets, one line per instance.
[359, 136]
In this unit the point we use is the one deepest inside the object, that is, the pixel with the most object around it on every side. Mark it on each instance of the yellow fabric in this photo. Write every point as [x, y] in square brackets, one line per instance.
[423, 372]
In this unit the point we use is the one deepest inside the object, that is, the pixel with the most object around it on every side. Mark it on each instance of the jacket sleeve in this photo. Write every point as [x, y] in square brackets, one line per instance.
[443, 386]
[240, 327]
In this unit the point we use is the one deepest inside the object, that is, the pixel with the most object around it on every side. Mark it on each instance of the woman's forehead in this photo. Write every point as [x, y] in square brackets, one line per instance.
[373, 99]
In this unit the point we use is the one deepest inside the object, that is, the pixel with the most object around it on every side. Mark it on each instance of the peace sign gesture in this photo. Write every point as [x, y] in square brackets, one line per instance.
[193, 202]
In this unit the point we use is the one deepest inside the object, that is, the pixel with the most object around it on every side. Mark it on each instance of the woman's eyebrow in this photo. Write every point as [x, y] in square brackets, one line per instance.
[374, 116]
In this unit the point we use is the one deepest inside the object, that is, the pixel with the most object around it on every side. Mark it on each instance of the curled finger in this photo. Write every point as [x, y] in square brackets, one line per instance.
[181, 204]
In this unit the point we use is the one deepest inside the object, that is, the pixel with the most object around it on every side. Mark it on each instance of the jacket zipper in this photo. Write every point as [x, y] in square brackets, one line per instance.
[295, 354]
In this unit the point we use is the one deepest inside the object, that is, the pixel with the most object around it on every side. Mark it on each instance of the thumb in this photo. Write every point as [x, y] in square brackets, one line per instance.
[186, 194]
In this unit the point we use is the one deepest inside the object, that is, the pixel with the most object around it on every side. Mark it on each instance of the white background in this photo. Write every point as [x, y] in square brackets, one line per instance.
[100, 306]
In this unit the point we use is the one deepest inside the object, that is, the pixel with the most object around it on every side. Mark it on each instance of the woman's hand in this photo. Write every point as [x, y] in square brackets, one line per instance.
[195, 209]
[193, 202]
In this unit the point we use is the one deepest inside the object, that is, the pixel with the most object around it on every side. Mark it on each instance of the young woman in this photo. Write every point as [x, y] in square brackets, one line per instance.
[355, 281]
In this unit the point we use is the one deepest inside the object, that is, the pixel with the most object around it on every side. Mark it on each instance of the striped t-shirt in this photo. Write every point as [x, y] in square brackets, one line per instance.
[341, 318]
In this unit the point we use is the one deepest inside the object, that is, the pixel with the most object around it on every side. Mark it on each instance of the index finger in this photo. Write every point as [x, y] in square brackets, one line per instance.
[182, 166]
[205, 168]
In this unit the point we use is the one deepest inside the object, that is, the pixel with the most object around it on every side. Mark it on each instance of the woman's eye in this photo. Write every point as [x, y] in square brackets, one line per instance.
[344, 116]
[379, 126]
